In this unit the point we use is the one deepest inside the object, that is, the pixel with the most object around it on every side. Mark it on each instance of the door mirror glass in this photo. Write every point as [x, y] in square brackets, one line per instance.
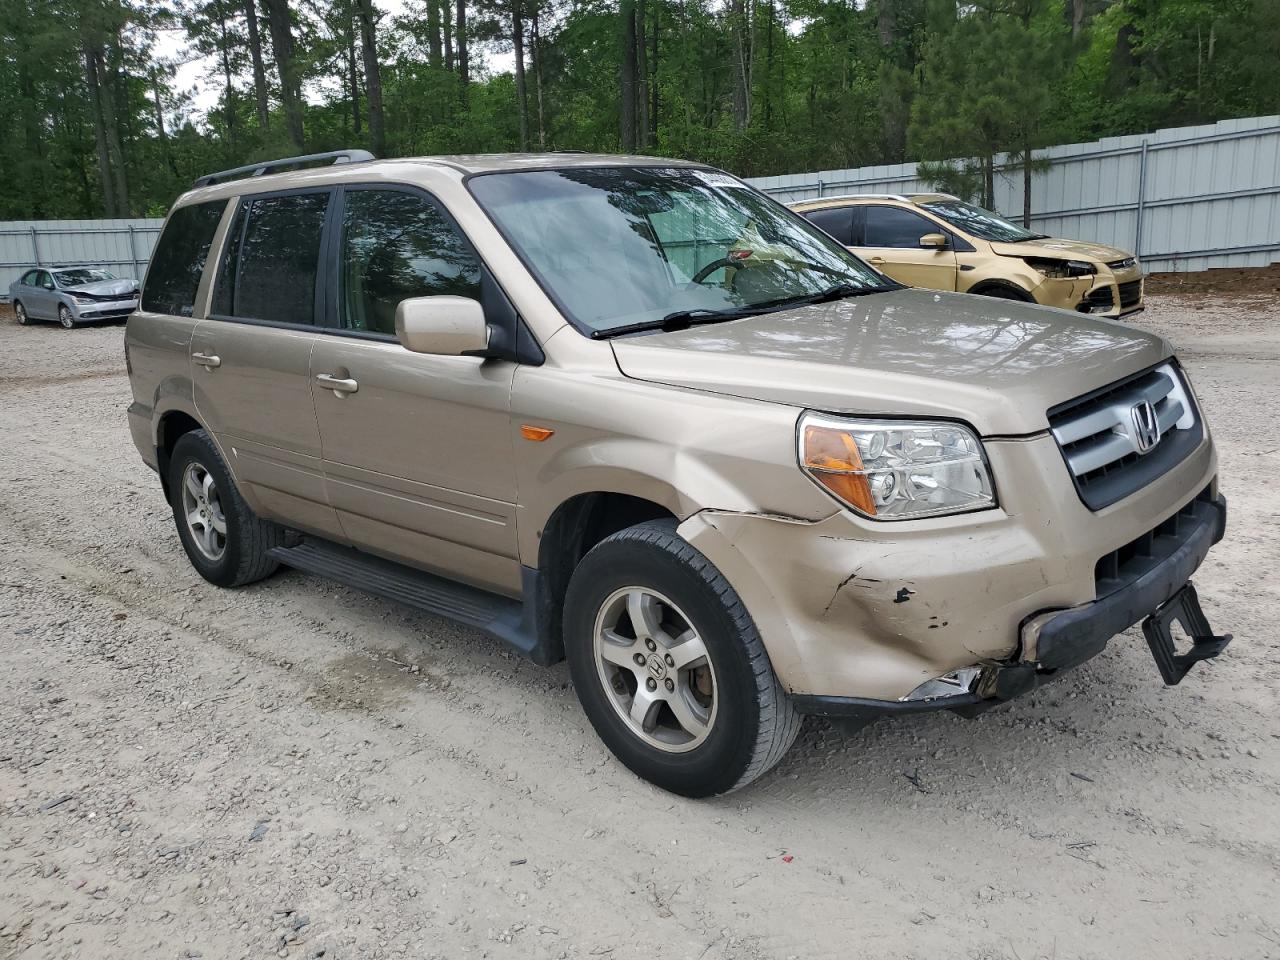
[445, 326]
[933, 241]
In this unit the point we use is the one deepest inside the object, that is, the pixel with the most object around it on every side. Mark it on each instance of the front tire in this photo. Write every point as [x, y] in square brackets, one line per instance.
[669, 666]
[226, 542]
[65, 318]
[21, 313]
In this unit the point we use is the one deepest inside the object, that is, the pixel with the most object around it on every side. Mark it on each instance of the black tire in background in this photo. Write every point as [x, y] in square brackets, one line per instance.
[754, 721]
[243, 558]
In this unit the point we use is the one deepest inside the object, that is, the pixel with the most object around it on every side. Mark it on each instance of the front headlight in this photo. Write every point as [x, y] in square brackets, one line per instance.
[83, 299]
[1061, 269]
[896, 470]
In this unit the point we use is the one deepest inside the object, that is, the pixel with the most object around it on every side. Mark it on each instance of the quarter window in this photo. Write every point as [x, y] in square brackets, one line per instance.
[269, 268]
[837, 221]
[895, 227]
[179, 258]
[397, 245]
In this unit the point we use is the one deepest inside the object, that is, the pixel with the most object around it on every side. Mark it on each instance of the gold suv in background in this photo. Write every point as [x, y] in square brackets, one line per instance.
[938, 241]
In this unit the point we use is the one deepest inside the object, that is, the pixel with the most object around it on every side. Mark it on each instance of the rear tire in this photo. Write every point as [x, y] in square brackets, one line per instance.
[21, 312]
[226, 542]
[700, 712]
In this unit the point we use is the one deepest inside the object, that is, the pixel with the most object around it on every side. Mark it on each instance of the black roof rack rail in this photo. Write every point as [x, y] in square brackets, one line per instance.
[267, 166]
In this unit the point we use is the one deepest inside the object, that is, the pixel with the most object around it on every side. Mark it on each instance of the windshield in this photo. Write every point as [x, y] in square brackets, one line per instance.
[73, 278]
[616, 247]
[981, 223]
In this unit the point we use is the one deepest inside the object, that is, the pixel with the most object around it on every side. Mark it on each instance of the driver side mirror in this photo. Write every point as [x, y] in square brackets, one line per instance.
[48, 285]
[444, 326]
[934, 241]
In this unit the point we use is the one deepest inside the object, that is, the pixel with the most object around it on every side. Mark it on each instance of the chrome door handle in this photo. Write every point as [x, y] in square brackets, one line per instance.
[206, 359]
[875, 259]
[337, 384]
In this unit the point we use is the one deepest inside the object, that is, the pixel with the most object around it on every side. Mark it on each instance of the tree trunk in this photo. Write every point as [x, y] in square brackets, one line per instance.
[112, 102]
[653, 77]
[229, 90]
[278, 21]
[627, 86]
[741, 65]
[642, 78]
[1077, 18]
[433, 33]
[886, 22]
[259, 71]
[464, 76]
[535, 28]
[989, 181]
[446, 21]
[160, 130]
[372, 79]
[522, 99]
[109, 205]
[353, 69]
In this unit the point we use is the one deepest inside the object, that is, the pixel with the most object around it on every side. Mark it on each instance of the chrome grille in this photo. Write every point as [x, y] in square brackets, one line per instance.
[1124, 264]
[1120, 438]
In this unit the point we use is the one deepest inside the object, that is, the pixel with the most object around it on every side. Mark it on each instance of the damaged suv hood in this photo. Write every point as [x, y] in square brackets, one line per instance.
[1066, 249]
[105, 288]
[996, 364]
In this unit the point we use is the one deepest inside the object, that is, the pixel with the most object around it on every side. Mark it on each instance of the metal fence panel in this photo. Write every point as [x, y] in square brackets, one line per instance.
[123, 246]
[1184, 198]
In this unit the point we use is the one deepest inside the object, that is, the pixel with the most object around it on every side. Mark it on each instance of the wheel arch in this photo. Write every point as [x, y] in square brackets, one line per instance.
[576, 525]
[992, 284]
[170, 427]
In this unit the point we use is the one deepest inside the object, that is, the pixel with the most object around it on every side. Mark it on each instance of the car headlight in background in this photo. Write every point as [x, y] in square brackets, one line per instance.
[896, 470]
[1061, 269]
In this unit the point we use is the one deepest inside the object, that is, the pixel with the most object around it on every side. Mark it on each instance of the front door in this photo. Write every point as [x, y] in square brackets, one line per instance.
[890, 242]
[417, 448]
[42, 302]
[250, 359]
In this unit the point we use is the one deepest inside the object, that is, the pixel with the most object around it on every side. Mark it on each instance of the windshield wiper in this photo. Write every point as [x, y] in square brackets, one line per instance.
[683, 319]
[677, 320]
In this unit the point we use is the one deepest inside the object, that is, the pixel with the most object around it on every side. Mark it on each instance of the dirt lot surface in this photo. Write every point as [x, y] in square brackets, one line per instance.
[294, 769]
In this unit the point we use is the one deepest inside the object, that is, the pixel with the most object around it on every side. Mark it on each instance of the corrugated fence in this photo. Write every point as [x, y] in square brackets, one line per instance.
[1186, 198]
[122, 246]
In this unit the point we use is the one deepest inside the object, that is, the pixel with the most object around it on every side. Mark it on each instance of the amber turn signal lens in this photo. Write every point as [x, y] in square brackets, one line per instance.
[536, 434]
[832, 458]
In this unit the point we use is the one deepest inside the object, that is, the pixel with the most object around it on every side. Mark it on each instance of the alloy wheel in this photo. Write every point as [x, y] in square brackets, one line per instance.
[202, 509]
[655, 669]
[65, 318]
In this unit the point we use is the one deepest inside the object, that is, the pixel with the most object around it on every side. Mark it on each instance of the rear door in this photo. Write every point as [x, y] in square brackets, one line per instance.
[417, 448]
[251, 357]
[890, 242]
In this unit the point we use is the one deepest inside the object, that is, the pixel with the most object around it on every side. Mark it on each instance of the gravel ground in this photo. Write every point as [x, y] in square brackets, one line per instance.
[294, 769]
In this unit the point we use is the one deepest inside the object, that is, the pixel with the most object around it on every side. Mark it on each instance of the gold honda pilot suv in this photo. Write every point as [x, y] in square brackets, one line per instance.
[941, 242]
[632, 413]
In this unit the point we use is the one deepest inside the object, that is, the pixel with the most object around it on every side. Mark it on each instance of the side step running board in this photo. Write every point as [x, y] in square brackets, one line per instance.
[508, 620]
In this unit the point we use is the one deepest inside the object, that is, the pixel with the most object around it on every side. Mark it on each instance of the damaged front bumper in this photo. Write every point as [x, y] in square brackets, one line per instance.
[1054, 641]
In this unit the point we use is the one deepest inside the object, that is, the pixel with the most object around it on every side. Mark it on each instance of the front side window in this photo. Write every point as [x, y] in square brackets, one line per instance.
[895, 227]
[617, 247]
[74, 278]
[979, 222]
[178, 261]
[44, 280]
[397, 245]
[268, 271]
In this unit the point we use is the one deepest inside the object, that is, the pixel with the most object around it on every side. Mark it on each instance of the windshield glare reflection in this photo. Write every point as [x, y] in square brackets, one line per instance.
[619, 246]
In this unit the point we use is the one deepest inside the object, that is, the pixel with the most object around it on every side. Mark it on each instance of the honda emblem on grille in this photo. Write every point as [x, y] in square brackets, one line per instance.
[1146, 426]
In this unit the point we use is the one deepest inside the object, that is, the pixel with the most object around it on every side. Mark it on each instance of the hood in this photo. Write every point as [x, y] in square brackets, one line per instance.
[1073, 249]
[996, 364]
[105, 288]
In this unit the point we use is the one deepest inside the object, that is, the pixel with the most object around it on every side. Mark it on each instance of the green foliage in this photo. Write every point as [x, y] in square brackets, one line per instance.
[826, 84]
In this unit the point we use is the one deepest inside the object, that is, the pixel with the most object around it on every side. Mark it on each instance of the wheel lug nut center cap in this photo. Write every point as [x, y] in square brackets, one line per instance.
[657, 669]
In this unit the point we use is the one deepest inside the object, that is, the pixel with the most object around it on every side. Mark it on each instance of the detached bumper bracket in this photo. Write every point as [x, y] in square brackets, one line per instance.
[1182, 608]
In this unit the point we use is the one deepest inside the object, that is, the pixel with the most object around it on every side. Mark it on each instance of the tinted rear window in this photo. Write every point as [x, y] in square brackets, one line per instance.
[179, 258]
[837, 221]
[269, 270]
